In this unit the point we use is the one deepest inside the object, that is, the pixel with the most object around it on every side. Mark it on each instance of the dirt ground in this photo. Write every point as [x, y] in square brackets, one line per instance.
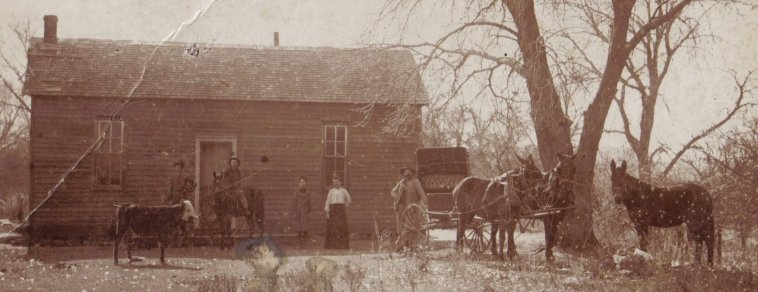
[188, 269]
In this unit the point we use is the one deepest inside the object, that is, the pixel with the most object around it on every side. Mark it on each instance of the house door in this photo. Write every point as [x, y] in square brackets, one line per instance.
[213, 156]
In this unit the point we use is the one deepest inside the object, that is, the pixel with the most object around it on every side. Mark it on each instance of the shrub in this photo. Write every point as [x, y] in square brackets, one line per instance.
[219, 283]
[353, 275]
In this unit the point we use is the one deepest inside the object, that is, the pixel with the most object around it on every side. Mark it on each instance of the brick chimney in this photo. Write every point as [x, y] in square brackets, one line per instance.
[51, 29]
[276, 38]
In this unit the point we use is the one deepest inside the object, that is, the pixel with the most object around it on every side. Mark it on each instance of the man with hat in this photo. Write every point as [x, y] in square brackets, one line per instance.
[181, 186]
[232, 179]
[407, 191]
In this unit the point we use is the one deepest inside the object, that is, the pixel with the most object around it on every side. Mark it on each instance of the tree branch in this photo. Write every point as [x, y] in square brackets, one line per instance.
[656, 22]
[737, 106]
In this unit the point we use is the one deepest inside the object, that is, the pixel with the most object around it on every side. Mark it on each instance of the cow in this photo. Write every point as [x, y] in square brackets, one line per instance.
[163, 222]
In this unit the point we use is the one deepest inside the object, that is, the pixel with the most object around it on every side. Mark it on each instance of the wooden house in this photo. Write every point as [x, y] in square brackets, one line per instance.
[311, 112]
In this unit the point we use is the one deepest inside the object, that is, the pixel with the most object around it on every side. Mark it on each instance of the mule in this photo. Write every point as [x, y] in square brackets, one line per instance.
[226, 206]
[647, 205]
[486, 198]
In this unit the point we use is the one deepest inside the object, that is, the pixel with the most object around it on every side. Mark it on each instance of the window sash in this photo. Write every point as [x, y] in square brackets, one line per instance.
[335, 154]
[114, 137]
[108, 168]
[108, 159]
[335, 141]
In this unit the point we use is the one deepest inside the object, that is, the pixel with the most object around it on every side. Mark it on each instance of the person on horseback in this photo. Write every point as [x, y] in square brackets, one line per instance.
[232, 180]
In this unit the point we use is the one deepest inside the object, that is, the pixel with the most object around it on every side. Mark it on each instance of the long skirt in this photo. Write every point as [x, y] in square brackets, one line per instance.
[337, 235]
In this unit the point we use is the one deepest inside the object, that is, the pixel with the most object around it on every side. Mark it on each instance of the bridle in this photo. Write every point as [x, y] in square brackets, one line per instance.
[563, 186]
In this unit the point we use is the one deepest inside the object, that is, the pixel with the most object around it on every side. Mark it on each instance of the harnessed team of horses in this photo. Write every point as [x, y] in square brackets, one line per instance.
[523, 192]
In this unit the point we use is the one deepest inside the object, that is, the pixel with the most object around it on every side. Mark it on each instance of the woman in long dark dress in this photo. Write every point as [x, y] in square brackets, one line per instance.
[337, 235]
[302, 208]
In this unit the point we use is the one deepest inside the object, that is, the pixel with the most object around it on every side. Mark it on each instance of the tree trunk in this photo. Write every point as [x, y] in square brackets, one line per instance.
[577, 231]
[551, 125]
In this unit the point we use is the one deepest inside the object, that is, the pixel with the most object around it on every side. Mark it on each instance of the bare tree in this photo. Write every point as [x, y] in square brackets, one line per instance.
[733, 169]
[516, 21]
[745, 90]
[645, 70]
[492, 138]
[15, 113]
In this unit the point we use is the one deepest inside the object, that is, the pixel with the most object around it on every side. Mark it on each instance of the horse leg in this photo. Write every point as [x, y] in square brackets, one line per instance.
[460, 232]
[129, 243]
[642, 234]
[549, 224]
[162, 246]
[249, 221]
[259, 215]
[120, 236]
[698, 250]
[229, 234]
[493, 238]
[710, 239]
[223, 227]
[511, 225]
[501, 234]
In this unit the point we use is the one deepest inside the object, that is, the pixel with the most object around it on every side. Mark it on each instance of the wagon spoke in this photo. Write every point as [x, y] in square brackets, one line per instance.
[477, 237]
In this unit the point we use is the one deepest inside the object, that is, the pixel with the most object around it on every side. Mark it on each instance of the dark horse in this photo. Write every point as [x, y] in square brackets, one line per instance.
[535, 194]
[648, 205]
[559, 194]
[487, 199]
[226, 206]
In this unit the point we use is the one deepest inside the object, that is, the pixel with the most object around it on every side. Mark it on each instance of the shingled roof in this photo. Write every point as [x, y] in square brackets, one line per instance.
[105, 68]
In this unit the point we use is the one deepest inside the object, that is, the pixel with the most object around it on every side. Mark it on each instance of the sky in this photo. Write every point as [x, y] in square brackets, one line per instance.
[697, 92]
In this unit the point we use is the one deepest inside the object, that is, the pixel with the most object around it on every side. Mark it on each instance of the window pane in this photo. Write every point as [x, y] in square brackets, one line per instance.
[329, 149]
[339, 165]
[116, 144]
[116, 132]
[115, 169]
[118, 126]
[330, 135]
[101, 168]
[341, 131]
[108, 164]
[102, 127]
[328, 170]
[340, 149]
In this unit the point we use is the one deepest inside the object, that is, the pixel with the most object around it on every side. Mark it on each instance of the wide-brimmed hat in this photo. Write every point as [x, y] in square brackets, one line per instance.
[404, 168]
[179, 162]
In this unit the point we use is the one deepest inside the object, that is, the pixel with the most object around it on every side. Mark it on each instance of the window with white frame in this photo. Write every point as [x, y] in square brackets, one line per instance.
[109, 160]
[335, 154]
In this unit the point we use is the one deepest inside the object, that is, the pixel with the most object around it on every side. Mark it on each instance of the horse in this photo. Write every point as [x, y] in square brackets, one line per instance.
[486, 198]
[226, 206]
[533, 190]
[558, 194]
[647, 205]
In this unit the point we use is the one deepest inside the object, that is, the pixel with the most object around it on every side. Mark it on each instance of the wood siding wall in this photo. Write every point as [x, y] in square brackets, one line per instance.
[158, 132]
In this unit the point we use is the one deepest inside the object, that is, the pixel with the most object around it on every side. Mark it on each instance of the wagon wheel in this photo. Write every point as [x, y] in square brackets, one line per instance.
[415, 225]
[478, 236]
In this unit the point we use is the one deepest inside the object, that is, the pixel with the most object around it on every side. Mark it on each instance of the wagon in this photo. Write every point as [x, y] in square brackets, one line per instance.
[440, 169]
